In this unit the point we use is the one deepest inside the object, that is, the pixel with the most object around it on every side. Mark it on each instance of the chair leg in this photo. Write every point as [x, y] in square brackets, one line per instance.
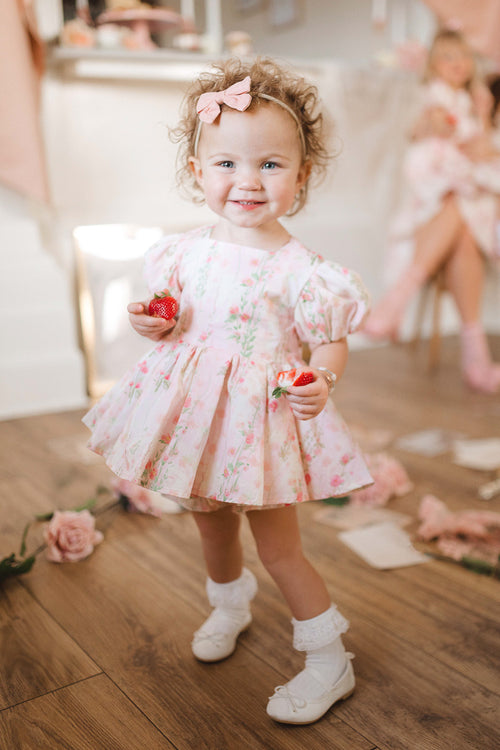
[419, 318]
[435, 340]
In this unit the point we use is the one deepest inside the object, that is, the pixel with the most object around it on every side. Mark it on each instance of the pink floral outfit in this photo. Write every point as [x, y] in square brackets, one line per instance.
[434, 168]
[196, 419]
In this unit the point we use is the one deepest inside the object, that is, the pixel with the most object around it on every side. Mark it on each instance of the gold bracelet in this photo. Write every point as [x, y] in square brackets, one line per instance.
[329, 376]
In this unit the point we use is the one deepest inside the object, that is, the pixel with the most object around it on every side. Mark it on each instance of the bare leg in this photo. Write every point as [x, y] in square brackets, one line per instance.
[433, 244]
[277, 535]
[221, 544]
[464, 276]
[230, 587]
[317, 626]
[465, 280]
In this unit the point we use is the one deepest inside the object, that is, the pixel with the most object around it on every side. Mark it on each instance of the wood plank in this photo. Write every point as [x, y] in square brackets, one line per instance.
[407, 699]
[439, 620]
[426, 638]
[37, 655]
[140, 633]
[439, 641]
[91, 715]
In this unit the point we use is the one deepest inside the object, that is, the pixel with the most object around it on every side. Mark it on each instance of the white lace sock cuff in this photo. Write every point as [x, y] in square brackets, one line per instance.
[318, 631]
[235, 594]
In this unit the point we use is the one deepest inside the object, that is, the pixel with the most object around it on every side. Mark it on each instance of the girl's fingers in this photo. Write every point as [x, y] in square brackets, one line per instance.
[136, 308]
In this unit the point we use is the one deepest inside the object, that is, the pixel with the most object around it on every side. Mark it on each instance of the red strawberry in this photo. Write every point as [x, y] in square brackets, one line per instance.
[163, 306]
[288, 378]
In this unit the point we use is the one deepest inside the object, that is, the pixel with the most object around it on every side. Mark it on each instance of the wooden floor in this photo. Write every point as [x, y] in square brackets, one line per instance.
[97, 654]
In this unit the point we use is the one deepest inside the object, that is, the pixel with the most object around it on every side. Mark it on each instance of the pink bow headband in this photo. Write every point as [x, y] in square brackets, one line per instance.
[237, 97]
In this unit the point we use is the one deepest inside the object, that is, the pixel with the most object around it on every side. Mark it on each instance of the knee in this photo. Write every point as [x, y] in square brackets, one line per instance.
[218, 527]
[275, 556]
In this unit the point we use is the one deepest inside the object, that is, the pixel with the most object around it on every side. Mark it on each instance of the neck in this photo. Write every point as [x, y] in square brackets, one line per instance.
[270, 237]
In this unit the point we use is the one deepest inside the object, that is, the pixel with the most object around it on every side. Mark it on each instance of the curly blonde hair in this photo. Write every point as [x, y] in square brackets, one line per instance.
[269, 78]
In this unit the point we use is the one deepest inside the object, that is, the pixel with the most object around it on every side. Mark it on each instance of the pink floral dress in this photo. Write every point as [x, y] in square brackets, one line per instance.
[196, 419]
[435, 167]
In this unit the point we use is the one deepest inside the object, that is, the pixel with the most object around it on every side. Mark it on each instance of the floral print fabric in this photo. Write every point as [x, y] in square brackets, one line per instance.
[434, 168]
[195, 419]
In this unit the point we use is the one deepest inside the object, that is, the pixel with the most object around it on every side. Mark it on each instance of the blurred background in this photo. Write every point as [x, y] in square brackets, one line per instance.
[87, 171]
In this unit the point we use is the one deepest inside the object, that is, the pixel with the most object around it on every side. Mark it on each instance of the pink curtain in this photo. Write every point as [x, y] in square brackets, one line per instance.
[22, 163]
[478, 19]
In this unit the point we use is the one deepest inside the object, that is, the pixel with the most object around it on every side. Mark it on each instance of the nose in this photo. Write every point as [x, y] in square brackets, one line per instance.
[249, 179]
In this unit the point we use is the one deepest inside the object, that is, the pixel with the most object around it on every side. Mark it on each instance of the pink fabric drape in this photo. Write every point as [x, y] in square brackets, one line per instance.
[479, 20]
[22, 162]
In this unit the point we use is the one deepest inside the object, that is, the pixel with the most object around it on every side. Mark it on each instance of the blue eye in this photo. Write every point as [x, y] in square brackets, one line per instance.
[269, 165]
[227, 164]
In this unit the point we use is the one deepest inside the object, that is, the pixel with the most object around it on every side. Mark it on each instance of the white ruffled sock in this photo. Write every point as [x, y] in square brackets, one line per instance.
[326, 657]
[323, 668]
[216, 638]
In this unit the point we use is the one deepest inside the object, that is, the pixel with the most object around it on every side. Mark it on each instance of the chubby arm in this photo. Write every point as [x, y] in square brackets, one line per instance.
[307, 401]
[147, 325]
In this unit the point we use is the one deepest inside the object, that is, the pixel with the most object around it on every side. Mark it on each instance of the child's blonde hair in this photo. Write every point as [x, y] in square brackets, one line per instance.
[269, 78]
[448, 35]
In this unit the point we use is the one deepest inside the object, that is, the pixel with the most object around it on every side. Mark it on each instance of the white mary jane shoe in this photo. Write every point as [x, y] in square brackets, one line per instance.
[216, 639]
[289, 708]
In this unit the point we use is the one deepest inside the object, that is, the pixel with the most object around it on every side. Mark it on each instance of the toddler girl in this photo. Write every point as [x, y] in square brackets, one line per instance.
[448, 220]
[196, 419]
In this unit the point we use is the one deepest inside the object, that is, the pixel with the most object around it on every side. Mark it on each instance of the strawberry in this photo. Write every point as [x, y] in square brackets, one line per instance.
[288, 378]
[163, 306]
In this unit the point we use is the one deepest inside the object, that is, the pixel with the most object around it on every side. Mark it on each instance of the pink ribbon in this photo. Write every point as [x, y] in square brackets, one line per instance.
[235, 96]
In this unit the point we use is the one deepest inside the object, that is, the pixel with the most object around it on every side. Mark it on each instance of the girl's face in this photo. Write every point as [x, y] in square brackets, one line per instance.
[453, 63]
[249, 166]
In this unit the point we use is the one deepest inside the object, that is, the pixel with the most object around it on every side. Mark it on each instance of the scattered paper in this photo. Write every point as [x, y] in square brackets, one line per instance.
[354, 516]
[489, 490]
[383, 546]
[430, 442]
[477, 454]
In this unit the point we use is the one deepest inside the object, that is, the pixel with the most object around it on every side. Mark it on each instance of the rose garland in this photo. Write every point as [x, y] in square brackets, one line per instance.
[71, 535]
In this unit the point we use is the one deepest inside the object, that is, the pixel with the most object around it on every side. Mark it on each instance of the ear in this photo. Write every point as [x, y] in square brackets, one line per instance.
[195, 167]
[304, 173]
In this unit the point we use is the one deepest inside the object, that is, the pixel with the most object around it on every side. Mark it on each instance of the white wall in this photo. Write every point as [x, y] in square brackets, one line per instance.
[110, 159]
[331, 29]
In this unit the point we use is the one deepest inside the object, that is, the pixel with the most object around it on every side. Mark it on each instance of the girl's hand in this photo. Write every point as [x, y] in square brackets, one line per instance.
[434, 122]
[147, 325]
[307, 401]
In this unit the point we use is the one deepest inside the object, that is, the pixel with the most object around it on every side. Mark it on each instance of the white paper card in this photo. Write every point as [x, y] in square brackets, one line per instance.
[383, 546]
[478, 454]
[354, 516]
[430, 442]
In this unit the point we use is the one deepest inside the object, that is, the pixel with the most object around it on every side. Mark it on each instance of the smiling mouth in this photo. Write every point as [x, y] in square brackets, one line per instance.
[248, 204]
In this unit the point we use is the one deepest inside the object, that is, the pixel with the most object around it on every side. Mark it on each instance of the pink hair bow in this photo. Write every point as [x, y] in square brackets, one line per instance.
[235, 96]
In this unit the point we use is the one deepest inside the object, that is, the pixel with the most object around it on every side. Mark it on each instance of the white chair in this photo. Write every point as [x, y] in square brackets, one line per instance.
[109, 275]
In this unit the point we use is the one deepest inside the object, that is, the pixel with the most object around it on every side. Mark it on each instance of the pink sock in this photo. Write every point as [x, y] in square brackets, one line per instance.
[480, 372]
[387, 316]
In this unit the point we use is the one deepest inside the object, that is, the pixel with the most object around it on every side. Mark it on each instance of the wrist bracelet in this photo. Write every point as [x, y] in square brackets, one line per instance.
[329, 376]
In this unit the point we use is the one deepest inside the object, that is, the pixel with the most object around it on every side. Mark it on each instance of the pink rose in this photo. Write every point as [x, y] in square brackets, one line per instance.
[71, 536]
[139, 499]
[390, 480]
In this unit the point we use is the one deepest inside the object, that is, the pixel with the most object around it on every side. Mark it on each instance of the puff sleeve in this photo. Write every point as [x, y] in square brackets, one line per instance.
[333, 303]
[161, 265]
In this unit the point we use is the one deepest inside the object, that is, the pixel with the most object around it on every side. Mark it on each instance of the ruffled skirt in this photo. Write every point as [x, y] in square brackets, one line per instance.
[201, 425]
